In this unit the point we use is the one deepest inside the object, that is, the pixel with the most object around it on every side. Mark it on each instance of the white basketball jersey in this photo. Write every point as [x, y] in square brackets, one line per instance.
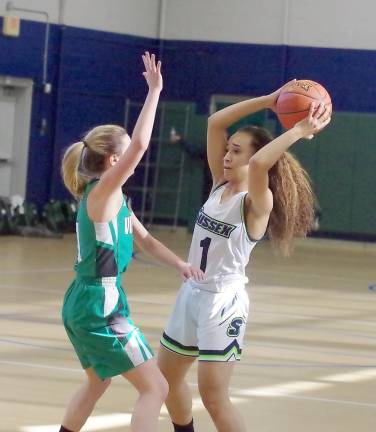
[220, 244]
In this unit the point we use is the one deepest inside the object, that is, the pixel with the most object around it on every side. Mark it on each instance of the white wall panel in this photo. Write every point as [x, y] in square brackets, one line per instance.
[248, 21]
[134, 17]
[320, 23]
[333, 23]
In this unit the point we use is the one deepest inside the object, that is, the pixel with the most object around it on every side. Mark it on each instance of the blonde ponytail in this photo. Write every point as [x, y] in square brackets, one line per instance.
[86, 159]
[73, 180]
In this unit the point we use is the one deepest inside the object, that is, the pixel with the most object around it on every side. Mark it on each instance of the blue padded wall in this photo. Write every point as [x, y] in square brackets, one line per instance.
[93, 72]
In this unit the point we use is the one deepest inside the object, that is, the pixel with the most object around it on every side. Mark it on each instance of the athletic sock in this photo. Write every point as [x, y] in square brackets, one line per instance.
[185, 428]
[63, 429]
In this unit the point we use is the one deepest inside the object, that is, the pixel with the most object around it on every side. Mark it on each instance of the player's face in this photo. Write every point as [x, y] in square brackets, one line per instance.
[238, 152]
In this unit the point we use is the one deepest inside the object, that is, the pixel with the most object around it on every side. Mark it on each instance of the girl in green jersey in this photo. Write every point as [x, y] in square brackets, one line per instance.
[95, 311]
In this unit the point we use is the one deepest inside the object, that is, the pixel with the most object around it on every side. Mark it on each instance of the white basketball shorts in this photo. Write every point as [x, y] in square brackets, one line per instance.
[208, 324]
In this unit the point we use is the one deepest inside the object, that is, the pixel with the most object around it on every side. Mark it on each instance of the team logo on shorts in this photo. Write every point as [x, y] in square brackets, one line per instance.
[233, 330]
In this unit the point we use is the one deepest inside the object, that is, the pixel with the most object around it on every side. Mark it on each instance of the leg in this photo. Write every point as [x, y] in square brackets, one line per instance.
[83, 402]
[213, 382]
[179, 400]
[153, 389]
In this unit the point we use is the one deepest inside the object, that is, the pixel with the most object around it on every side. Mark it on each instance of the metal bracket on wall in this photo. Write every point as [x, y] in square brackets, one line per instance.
[11, 7]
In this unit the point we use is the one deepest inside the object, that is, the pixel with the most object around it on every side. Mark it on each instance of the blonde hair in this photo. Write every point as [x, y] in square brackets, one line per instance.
[85, 160]
[293, 211]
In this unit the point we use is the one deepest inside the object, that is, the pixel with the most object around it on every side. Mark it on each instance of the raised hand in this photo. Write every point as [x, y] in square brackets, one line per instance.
[318, 117]
[152, 72]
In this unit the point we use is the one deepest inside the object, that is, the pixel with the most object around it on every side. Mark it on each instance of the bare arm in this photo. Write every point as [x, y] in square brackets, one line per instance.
[219, 122]
[117, 175]
[153, 247]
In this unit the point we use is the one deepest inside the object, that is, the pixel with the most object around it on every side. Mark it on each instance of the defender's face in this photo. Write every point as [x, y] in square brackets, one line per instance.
[238, 152]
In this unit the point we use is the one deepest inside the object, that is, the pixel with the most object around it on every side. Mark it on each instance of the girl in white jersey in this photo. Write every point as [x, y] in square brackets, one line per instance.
[258, 188]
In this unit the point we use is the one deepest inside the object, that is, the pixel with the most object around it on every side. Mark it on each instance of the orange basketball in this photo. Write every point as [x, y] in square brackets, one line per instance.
[295, 99]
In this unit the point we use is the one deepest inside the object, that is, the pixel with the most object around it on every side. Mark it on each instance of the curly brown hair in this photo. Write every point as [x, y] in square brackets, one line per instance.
[293, 211]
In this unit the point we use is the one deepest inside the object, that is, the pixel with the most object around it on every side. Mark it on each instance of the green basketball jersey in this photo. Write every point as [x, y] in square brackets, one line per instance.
[104, 249]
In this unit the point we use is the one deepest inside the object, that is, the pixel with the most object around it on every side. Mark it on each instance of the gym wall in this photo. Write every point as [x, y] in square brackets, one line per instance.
[240, 47]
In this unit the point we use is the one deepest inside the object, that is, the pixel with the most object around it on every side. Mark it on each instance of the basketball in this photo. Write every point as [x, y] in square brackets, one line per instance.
[295, 99]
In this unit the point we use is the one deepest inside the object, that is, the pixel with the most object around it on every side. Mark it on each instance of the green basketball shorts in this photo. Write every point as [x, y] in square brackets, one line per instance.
[96, 318]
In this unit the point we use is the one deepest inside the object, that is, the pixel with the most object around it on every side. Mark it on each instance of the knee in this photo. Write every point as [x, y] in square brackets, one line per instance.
[157, 387]
[213, 400]
[176, 388]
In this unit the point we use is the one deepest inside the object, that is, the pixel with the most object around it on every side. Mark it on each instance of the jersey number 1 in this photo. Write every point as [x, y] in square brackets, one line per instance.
[205, 249]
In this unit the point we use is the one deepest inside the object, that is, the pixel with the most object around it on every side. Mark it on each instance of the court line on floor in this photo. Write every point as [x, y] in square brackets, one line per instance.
[65, 269]
[357, 376]
[297, 347]
[364, 374]
[283, 347]
[286, 390]
[31, 345]
[115, 420]
[243, 363]
[260, 311]
[292, 390]
[145, 261]
[37, 270]
[94, 423]
[40, 366]
[317, 399]
[282, 389]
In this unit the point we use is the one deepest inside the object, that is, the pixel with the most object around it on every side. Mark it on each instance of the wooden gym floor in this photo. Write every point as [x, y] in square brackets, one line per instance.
[309, 362]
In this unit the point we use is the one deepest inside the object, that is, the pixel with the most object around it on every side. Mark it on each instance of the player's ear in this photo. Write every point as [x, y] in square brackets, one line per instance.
[113, 159]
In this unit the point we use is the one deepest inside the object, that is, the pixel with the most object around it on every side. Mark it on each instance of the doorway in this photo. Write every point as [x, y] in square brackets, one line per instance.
[15, 115]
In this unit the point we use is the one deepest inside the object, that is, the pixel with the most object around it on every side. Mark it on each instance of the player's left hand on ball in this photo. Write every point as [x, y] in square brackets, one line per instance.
[187, 271]
[318, 118]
